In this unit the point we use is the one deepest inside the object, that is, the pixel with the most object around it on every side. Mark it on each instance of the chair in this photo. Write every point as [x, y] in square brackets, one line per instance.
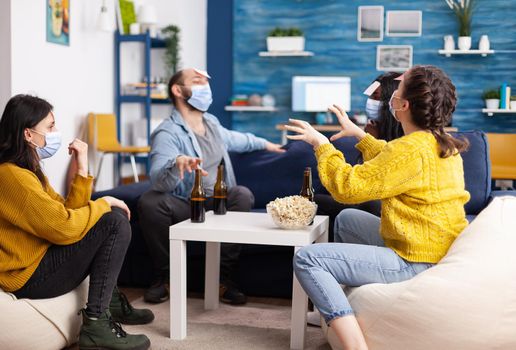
[501, 151]
[102, 134]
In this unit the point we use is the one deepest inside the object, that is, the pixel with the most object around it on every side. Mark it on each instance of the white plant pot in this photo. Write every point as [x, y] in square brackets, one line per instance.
[464, 43]
[286, 43]
[493, 103]
[513, 105]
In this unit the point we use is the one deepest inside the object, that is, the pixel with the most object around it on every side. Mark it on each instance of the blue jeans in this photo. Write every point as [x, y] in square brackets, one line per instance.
[360, 257]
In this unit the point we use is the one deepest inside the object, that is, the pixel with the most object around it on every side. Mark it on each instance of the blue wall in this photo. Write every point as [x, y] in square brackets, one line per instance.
[330, 31]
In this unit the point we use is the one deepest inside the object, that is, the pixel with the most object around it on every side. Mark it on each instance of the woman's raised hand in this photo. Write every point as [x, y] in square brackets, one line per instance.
[348, 127]
[79, 151]
[305, 132]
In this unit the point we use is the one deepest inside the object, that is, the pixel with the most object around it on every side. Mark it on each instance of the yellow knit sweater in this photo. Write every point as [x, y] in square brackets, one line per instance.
[32, 218]
[422, 195]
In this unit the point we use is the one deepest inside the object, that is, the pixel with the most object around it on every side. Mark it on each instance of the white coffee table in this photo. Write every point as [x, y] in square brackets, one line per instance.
[234, 227]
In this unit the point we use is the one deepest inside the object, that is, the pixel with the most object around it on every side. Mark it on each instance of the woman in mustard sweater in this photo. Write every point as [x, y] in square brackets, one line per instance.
[48, 244]
[419, 179]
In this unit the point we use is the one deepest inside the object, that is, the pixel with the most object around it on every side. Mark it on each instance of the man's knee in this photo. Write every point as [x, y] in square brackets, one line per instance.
[242, 198]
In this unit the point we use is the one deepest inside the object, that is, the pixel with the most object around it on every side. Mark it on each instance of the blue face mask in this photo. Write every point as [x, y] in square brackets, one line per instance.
[52, 144]
[201, 98]
[372, 108]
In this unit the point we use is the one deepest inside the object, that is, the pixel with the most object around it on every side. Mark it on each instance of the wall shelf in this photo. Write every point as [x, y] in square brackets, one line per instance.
[448, 53]
[250, 109]
[491, 112]
[285, 53]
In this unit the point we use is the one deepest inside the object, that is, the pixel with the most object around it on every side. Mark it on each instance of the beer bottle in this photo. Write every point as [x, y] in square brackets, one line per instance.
[220, 192]
[197, 199]
[307, 190]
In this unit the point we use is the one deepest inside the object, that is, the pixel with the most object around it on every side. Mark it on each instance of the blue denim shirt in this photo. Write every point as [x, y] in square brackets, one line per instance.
[173, 138]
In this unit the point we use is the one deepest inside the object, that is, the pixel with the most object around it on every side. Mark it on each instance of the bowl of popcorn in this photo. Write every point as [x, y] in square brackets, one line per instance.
[292, 213]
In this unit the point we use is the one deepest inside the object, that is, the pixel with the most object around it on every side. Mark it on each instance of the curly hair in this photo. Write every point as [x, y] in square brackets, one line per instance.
[432, 99]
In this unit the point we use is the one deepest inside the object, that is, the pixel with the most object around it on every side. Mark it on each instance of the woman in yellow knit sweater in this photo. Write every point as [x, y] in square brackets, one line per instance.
[419, 179]
[48, 244]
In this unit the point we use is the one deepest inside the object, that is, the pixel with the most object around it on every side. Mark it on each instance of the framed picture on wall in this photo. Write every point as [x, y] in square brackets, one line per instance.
[370, 23]
[404, 23]
[58, 21]
[393, 58]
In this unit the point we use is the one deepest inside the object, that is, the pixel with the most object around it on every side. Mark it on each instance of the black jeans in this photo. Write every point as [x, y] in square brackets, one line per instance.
[326, 205]
[158, 211]
[99, 254]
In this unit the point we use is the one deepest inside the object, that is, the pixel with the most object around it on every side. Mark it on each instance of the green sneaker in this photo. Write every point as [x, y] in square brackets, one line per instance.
[122, 311]
[106, 334]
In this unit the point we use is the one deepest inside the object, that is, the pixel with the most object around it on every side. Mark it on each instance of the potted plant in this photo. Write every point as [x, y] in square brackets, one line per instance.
[286, 39]
[492, 98]
[171, 57]
[463, 10]
[513, 102]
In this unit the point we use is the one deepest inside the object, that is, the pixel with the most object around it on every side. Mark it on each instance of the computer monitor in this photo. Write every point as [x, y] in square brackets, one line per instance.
[316, 94]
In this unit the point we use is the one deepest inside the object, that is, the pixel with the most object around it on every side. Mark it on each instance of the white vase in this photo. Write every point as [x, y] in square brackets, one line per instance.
[492, 103]
[464, 43]
[449, 43]
[513, 105]
[483, 44]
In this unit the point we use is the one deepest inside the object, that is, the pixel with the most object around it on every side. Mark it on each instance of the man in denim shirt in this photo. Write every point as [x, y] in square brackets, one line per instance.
[180, 143]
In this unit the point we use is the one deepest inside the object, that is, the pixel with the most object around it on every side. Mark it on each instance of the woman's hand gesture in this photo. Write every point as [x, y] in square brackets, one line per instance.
[348, 127]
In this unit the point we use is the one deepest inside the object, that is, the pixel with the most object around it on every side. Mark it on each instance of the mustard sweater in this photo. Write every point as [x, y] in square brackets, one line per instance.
[422, 195]
[33, 218]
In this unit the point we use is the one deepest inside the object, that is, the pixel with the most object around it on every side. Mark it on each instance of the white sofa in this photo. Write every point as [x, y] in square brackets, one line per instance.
[41, 324]
[466, 302]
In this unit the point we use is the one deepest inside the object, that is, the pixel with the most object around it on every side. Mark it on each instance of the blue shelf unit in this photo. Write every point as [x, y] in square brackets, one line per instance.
[148, 44]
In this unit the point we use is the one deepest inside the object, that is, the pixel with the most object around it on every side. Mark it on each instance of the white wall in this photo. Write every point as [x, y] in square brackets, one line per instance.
[79, 78]
[76, 79]
[5, 52]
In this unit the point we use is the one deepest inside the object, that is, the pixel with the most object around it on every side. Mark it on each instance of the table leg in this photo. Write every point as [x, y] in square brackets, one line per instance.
[299, 310]
[177, 289]
[211, 277]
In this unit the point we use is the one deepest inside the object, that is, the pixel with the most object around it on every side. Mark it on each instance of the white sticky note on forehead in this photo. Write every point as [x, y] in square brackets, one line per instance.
[202, 72]
[372, 88]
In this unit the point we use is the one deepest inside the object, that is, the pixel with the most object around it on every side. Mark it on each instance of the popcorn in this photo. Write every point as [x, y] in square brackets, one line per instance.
[292, 212]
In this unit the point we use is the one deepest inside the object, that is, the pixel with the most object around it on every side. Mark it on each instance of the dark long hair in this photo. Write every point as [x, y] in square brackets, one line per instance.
[432, 100]
[20, 113]
[388, 127]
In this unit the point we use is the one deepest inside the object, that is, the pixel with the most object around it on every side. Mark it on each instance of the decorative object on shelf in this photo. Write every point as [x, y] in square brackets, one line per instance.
[104, 22]
[58, 22]
[239, 100]
[268, 100]
[171, 36]
[370, 23]
[483, 43]
[158, 90]
[449, 43]
[254, 100]
[463, 10]
[513, 102]
[134, 29]
[395, 58]
[127, 15]
[505, 95]
[148, 20]
[288, 39]
[492, 98]
[404, 23]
